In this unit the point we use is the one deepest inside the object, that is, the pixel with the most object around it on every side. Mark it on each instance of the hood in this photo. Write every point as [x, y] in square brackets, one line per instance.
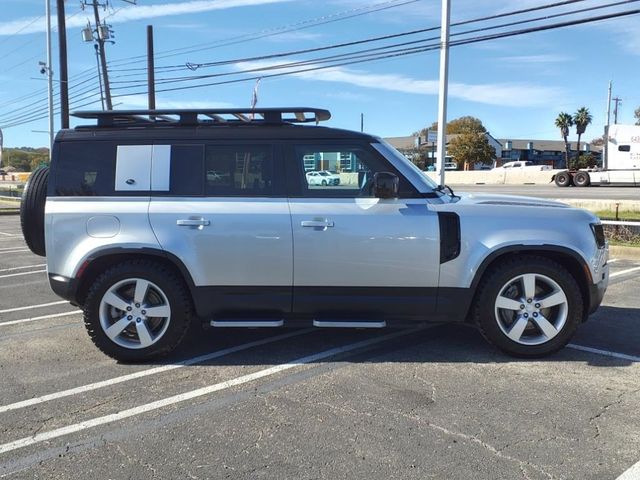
[508, 200]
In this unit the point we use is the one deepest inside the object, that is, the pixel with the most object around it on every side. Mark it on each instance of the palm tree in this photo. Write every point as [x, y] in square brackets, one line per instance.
[564, 122]
[581, 119]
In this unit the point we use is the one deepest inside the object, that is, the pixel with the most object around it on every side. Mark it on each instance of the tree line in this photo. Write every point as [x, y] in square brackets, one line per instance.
[24, 159]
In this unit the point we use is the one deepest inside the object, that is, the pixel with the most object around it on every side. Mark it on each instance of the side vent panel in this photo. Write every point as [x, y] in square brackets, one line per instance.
[449, 236]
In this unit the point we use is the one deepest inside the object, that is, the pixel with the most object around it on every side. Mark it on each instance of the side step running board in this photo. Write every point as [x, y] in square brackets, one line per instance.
[247, 323]
[339, 324]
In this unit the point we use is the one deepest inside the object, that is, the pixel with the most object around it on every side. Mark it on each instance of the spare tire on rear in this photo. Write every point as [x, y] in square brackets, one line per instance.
[32, 210]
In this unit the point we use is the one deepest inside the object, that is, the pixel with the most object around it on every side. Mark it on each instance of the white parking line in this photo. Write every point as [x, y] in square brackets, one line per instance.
[148, 407]
[9, 234]
[43, 317]
[29, 307]
[21, 273]
[605, 353]
[22, 268]
[632, 473]
[624, 272]
[148, 372]
[16, 251]
[10, 248]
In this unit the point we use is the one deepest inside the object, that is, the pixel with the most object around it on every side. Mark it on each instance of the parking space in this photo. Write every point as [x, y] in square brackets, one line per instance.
[435, 402]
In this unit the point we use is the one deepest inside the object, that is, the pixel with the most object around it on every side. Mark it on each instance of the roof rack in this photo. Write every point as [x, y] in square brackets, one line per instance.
[205, 116]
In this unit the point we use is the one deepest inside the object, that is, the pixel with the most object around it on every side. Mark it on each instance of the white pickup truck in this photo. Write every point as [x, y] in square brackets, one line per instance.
[523, 165]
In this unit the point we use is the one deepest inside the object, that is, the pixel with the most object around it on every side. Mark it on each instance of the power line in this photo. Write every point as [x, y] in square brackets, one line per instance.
[305, 24]
[360, 57]
[410, 52]
[133, 83]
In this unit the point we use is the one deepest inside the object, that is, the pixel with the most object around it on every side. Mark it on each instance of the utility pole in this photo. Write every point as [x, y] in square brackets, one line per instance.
[151, 78]
[362, 122]
[443, 89]
[103, 33]
[605, 160]
[618, 101]
[49, 72]
[64, 77]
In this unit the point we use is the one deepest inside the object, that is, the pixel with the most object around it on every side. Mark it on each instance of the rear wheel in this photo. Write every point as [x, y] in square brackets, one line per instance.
[563, 179]
[528, 306]
[34, 198]
[137, 310]
[582, 179]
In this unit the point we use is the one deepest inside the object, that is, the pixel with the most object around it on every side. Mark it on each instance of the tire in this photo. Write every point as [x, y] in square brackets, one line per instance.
[501, 306]
[324, 183]
[166, 292]
[32, 210]
[563, 179]
[582, 179]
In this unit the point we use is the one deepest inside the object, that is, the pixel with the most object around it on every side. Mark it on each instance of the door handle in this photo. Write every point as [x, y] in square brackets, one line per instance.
[317, 223]
[193, 222]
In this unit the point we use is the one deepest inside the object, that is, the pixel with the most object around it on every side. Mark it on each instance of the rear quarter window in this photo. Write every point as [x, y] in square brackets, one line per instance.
[83, 169]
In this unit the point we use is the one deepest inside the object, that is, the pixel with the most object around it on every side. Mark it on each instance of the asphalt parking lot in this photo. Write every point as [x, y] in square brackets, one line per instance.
[301, 404]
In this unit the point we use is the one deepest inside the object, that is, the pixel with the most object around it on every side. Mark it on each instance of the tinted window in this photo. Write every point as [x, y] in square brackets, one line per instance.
[342, 171]
[243, 170]
[84, 169]
[624, 148]
[187, 168]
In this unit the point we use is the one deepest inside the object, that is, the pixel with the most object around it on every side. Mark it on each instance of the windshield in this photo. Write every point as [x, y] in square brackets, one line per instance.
[325, 174]
[407, 167]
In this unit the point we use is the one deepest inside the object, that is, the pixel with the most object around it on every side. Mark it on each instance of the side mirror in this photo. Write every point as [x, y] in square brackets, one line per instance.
[385, 185]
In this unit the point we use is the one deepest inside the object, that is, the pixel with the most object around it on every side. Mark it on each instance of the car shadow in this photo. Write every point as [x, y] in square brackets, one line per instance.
[612, 329]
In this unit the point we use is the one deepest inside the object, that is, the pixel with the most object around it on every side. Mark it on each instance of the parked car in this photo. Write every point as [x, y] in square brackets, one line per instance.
[323, 178]
[136, 235]
[524, 165]
[450, 166]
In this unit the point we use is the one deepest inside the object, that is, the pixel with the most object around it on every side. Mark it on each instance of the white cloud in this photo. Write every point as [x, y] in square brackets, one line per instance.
[138, 12]
[626, 33]
[504, 94]
[141, 102]
[536, 59]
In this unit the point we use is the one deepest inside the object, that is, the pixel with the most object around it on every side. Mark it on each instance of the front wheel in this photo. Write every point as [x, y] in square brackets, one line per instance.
[528, 306]
[137, 310]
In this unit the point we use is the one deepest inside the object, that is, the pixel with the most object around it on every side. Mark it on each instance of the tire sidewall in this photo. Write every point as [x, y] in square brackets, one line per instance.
[581, 183]
[563, 179]
[165, 281]
[32, 209]
[488, 323]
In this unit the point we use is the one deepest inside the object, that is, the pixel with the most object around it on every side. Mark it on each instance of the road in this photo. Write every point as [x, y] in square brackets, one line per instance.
[435, 402]
[553, 192]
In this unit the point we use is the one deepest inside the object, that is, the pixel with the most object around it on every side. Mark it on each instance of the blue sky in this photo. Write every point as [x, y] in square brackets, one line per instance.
[516, 86]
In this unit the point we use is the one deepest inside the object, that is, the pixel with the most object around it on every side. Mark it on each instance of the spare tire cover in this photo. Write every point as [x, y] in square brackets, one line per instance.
[32, 210]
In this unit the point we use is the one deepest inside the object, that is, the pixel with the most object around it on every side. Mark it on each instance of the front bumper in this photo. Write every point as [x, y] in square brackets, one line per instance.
[597, 290]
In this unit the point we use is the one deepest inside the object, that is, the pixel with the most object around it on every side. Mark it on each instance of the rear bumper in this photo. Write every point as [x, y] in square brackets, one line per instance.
[64, 287]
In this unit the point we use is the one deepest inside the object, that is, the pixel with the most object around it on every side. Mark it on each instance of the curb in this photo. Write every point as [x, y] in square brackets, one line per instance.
[622, 251]
[9, 211]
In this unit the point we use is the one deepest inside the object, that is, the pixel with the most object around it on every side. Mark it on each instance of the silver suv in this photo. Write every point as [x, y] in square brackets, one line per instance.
[151, 220]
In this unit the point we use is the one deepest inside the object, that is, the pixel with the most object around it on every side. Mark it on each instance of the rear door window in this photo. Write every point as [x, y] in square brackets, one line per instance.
[84, 169]
[241, 170]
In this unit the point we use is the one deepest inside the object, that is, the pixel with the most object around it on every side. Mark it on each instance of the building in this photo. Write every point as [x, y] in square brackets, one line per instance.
[413, 144]
[544, 152]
